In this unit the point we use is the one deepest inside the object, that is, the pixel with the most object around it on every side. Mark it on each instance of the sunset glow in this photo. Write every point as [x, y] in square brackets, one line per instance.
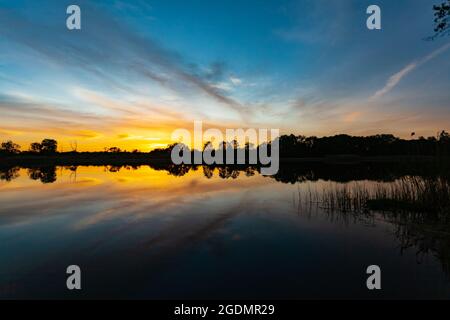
[134, 73]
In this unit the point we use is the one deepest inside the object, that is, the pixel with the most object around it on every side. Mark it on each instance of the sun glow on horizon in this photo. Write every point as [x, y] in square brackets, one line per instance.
[124, 81]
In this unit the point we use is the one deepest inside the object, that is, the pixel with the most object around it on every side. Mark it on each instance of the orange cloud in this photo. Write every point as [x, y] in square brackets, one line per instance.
[352, 116]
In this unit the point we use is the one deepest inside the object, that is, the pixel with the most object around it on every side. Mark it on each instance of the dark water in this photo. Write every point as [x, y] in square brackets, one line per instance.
[146, 233]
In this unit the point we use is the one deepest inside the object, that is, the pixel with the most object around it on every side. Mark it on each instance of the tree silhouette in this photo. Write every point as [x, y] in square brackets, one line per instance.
[444, 136]
[49, 146]
[35, 147]
[114, 150]
[46, 146]
[9, 147]
[441, 19]
[74, 146]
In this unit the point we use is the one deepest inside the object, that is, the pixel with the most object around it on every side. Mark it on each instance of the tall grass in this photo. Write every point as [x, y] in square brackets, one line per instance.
[417, 207]
[408, 194]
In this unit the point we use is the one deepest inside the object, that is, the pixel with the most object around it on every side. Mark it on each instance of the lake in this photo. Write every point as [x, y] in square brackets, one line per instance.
[186, 233]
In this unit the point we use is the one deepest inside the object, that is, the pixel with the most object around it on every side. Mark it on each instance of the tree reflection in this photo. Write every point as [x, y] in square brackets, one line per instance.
[208, 172]
[288, 172]
[117, 168]
[427, 234]
[228, 172]
[44, 174]
[9, 174]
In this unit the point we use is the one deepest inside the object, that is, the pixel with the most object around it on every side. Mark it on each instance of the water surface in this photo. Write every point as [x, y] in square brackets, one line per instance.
[204, 233]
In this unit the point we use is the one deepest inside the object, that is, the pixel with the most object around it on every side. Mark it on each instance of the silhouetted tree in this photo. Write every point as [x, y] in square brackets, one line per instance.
[163, 152]
[46, 146]
[114, 150]
[49, 146]
[441, 19]
[292, 146]
[35, 147]
[74, 146]
[9, 147]
[444, 136]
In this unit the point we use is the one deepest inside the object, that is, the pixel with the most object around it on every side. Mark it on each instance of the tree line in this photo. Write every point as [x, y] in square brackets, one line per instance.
[290, 146]
[299, 146]
[46, 146]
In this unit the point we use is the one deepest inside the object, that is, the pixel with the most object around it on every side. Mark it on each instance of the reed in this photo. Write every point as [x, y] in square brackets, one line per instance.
[408, 194]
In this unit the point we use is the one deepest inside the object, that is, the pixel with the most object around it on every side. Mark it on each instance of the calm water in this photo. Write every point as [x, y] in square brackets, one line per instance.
[145, 233]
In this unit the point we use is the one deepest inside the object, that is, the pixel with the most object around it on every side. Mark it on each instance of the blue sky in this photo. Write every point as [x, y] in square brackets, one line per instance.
[138, 69]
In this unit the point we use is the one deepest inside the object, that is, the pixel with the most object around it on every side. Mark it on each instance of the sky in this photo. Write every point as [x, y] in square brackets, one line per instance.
[138, 70]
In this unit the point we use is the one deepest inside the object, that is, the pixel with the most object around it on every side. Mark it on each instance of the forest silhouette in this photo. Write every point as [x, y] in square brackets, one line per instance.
[290, 147]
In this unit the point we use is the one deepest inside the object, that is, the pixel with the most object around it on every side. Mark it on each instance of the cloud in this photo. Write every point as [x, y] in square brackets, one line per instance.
[224, 86]
[108, 51]
[395, 79]
[87, 134]
[352, 116]
[215, 72]
[235, 81]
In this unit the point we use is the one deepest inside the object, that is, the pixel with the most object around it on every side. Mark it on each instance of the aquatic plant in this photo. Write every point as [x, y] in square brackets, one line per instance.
[430, 195]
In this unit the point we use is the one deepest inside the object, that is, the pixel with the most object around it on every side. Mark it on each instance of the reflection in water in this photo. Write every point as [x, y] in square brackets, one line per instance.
[426, 238]
[288, 173]
[165, 231]
[44, 174]
[9, 174]
[417, 207]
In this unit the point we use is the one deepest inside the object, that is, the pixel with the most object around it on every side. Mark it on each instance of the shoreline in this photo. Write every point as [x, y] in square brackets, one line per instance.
[101, 159]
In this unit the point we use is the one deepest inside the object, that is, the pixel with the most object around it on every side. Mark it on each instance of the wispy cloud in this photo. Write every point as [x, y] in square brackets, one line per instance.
[236, 81]
[395, 79]
[107, 50]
